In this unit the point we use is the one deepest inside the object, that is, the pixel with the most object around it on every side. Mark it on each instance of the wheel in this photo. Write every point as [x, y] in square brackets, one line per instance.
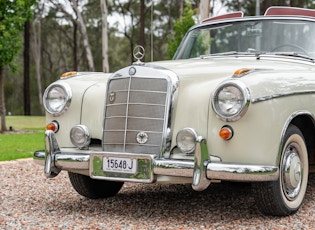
[92, 188]
[299, 48]
[285, 195]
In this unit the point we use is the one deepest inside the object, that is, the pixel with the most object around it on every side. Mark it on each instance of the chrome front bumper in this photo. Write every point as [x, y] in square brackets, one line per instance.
[202, 171]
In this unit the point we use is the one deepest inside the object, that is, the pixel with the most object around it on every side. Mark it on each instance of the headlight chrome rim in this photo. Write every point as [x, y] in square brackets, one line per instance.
[62, 106]
[80, 136]
[189, 135]
[242, 105]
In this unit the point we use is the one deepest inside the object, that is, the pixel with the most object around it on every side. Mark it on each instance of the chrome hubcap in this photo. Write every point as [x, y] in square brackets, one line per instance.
[292, 172]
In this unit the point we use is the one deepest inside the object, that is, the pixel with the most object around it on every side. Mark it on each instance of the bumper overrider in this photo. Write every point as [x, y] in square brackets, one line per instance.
[148, 167]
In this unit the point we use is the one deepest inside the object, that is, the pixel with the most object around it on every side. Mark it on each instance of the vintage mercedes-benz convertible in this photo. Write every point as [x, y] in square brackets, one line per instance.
[237, 103]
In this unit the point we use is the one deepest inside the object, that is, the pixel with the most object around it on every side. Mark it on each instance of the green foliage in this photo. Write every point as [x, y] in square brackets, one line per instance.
[13, 15]
[28, 136]
[62, 47]
[181, 26]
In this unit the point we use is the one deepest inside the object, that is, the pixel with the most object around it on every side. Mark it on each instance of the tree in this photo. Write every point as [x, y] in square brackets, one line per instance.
[85, 36]
[26, 88]
[74, 13]
[13, 15]
[36, 50]
[180, 28]
[204, 9]
[104, 37]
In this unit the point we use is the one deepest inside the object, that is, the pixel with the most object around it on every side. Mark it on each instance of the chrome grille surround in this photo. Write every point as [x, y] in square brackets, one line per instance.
[137, 110]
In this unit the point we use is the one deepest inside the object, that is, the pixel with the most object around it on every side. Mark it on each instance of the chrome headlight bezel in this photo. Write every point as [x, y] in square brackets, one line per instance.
[80, 136]
[186, 140]
[51, 103]
[230, 95]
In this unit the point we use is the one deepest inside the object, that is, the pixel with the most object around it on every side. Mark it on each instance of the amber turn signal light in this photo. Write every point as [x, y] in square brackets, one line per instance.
[68, 74]
[53, 126]
[226, 133]
[241, 72]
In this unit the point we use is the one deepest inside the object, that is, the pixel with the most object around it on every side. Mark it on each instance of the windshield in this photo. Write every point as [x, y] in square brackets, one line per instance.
[253, 36]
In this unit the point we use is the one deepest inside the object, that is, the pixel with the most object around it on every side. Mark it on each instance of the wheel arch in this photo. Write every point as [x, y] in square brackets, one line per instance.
[305, 121]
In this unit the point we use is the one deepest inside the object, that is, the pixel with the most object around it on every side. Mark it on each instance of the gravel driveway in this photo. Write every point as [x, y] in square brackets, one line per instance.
[30, 201]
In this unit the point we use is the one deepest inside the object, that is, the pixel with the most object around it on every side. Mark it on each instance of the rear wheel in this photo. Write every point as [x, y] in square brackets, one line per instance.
[92, 188]
[285, 196]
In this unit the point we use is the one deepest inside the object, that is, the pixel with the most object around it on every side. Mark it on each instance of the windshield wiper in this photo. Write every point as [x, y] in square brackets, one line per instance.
[229, 53]
[292, 54]
[219, 54]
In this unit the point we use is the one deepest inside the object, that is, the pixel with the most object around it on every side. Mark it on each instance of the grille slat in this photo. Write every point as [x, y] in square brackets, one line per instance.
[135, 105]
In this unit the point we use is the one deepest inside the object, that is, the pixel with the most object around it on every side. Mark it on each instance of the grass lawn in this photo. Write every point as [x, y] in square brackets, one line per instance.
[27, 137]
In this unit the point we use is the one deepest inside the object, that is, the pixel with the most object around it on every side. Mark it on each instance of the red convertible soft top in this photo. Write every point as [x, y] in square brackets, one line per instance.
[271, 11]
[289, 11]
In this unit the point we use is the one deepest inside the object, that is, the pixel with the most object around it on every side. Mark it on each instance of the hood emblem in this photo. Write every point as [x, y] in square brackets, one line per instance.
[138, 53]
[112, 97]
[132, 71]
[142, 137]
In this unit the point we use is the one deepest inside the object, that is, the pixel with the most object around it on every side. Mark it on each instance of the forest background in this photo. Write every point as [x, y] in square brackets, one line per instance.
[99, 35]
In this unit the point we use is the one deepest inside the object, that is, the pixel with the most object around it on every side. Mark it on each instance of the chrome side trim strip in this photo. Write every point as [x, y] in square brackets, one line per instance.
[270, 97]
[286, 125]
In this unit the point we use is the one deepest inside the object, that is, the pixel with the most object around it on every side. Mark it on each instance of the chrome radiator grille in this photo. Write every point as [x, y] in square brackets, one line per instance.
[135, 115]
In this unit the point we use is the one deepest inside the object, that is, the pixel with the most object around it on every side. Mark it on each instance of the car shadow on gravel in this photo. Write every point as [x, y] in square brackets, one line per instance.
[221, 203]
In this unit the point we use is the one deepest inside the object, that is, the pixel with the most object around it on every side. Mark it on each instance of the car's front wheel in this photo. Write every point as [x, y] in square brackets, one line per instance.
[94, 189]
[285, 196]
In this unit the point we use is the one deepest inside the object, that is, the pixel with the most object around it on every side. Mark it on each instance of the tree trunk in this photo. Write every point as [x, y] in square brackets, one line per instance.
[2, 102]
[181, 8]
[75, 46]
[204, 8]
[301, 3]
[291, 2]
[142, 24]
[85, 37]
[104, 37]
[37, 59]
[27, 98]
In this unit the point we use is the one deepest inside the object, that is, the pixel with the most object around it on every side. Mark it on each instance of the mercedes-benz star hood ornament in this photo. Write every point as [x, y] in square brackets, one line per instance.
[138, 54]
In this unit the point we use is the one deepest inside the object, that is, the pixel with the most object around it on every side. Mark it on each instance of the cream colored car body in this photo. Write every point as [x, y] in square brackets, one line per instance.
[257, 137]
[237, 116]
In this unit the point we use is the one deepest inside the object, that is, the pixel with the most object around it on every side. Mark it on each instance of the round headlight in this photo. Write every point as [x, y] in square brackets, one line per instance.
[57, 98]
[186, 140]
[230, 100]
[80, 136]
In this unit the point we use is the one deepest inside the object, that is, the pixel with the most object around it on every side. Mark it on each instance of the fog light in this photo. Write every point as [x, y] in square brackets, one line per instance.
[80, 136]
[53, 126]
[226, 132]
[186, 140]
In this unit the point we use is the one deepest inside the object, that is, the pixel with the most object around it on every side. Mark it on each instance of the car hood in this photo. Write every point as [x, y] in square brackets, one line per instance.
[265, 76]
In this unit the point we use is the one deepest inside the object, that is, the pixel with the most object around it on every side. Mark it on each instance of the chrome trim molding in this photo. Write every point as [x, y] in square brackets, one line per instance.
[201, 170]
[274, 96]
[286, 125]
